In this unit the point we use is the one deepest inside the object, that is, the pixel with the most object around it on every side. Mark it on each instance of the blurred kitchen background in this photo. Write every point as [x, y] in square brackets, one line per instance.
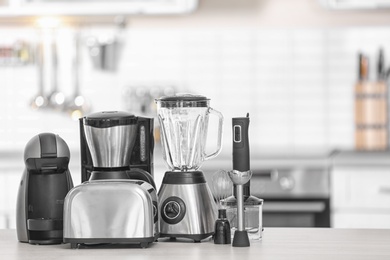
[294, 65]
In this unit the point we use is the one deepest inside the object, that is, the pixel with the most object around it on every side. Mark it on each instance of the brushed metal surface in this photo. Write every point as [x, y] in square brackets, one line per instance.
[111, 146]
[201, 210]
[109, 209]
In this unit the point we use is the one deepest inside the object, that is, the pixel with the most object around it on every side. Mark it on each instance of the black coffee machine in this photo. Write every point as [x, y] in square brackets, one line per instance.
[141, 152]
[45, 182]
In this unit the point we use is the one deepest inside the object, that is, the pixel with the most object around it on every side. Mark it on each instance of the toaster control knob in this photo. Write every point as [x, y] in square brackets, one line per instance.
[173, 210]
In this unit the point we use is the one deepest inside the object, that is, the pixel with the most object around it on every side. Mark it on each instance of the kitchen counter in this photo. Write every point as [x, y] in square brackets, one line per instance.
[361, 158]
[277, 243]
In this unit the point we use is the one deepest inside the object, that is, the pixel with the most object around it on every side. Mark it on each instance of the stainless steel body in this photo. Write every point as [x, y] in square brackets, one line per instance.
[139, 149]
[240, 208]
[111, 146]
[111, 211]
[239, 179]
[200, 211]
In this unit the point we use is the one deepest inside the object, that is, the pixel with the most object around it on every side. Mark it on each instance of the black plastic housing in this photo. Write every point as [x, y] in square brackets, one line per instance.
[45, 182]
[241, 239]
[241, 156]
[222, 233]
[241, 149]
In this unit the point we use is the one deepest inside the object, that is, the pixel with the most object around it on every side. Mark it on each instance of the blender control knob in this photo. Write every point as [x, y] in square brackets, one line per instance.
[173, 210]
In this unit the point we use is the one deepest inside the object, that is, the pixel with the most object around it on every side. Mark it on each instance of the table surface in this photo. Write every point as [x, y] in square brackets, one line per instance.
[277, 243]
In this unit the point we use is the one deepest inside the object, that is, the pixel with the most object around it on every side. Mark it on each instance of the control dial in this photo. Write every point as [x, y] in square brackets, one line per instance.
[173, 210]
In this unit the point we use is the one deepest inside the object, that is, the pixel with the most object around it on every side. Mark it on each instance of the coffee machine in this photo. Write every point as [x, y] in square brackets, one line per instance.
[45, 182]
[137, 153]
[186, 206]
[117, 201]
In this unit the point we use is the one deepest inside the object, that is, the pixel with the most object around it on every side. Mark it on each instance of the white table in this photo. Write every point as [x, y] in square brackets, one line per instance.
[277, 243]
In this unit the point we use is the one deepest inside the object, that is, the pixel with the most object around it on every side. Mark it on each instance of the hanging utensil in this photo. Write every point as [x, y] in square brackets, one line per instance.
[77, 105]
[104, 50]
[56, 97]
[40, 100]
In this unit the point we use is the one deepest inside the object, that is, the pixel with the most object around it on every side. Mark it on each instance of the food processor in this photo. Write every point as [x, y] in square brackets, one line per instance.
[186, 204]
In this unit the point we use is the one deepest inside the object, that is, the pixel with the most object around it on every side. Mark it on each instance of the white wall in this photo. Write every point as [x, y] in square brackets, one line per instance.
[284, 62]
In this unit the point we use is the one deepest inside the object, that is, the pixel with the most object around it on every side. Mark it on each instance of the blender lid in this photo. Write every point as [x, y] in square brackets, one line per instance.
[109, 119]
[184, 100]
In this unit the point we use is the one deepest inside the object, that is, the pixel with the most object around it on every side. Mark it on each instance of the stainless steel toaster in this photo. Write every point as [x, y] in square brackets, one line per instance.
[111, 212]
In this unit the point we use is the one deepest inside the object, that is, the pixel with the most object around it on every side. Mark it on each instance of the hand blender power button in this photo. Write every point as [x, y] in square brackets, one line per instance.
[237, 133]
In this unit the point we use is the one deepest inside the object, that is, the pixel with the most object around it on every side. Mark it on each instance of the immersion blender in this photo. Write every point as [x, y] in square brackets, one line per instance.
[240, 175]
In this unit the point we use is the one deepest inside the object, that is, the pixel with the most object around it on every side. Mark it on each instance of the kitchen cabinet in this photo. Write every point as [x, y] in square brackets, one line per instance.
[360, 191]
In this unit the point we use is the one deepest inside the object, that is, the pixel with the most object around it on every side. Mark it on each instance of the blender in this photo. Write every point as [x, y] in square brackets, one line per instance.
[186, 205]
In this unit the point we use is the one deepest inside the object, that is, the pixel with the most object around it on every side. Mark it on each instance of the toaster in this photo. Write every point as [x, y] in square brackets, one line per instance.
[113, 212]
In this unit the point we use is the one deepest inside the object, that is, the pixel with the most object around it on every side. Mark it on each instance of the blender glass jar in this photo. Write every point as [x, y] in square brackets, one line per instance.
[184, 125]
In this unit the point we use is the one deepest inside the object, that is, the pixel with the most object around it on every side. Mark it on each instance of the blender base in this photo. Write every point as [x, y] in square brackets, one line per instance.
[187, 207]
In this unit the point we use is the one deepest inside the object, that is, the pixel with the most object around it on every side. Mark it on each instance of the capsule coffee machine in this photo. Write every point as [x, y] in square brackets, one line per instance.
[45, 182]
[186, 205]
[117, 202]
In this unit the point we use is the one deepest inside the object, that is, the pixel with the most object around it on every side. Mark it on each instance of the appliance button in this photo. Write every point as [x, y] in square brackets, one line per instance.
[173, 210]
[237, 133]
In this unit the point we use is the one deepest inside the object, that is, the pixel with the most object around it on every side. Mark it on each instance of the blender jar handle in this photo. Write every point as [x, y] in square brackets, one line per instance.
[219, 141]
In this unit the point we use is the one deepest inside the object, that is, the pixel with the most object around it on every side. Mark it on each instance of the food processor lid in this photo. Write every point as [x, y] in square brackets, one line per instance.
[183, 100]
[109, 119]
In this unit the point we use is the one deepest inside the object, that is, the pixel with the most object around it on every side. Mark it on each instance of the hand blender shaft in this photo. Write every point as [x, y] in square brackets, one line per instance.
[240, 175]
